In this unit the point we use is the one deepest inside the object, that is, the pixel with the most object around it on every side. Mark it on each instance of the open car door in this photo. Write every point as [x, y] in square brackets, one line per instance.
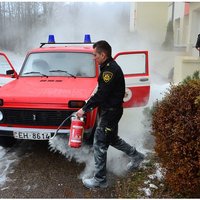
[135, 66]
[7, 71]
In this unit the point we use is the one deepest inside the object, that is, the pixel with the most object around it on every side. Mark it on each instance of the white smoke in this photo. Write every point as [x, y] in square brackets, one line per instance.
[70, 22]
[108, 23]
[84, 154]
[6, 160]
[102, 22]
[131, 129]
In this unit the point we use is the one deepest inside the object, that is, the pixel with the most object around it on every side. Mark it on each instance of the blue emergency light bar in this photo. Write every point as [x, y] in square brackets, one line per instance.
[87, 38]
[51, 40]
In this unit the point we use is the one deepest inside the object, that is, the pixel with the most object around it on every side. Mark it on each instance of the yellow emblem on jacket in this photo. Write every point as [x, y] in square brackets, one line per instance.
[107, 76]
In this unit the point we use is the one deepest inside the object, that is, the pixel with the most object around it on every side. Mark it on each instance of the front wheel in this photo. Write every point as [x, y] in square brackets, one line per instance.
[7, 141]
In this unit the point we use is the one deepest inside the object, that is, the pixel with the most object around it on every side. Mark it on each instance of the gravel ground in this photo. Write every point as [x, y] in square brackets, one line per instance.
[40, 173]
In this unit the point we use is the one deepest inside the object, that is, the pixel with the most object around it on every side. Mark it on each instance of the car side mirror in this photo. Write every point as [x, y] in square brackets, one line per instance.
[10, 72]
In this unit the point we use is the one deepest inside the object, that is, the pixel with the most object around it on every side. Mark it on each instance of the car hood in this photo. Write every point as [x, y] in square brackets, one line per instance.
[46, 92]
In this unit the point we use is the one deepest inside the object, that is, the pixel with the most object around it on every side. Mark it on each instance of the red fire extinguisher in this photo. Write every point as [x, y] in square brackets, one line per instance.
[76, 132]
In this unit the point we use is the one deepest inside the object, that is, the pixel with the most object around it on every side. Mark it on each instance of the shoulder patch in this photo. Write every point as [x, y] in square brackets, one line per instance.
[107, 76]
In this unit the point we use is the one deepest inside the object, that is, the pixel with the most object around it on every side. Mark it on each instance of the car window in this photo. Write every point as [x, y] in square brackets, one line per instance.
[4, 65]
[132, 63]
[59, 64]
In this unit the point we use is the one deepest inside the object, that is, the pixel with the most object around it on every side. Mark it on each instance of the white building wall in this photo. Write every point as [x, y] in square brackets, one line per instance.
[179, 10]
[190, 28]
[149, 20]
[194, 28]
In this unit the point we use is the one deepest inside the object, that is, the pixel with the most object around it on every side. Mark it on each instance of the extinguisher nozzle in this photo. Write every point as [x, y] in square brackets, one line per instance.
[74, 114]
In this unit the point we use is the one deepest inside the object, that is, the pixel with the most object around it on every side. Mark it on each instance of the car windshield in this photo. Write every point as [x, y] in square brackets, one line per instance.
[74, 64]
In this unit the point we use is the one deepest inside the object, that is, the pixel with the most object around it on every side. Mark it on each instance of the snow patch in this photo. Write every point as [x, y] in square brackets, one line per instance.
[6, 159]
[153, 186]
[147, 191]
[159, 175]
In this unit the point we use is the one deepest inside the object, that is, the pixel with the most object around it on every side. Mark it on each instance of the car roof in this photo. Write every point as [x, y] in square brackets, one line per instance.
[84, 49]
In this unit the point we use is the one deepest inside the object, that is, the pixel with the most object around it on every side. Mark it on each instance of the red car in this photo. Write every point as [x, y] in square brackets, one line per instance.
[54, 82]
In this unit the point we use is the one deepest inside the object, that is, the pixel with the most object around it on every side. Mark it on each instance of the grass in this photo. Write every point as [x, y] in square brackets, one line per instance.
[133, 185]
[141, 184]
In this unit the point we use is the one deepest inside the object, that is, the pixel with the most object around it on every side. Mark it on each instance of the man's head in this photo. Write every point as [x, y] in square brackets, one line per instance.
[102, 51]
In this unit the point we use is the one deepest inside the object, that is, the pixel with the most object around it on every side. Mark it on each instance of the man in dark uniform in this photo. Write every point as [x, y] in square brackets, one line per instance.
[109, 100]
[198, 44]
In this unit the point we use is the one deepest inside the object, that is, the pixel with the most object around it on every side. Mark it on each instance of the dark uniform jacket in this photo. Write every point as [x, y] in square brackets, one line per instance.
[198, 42]
[111, 88]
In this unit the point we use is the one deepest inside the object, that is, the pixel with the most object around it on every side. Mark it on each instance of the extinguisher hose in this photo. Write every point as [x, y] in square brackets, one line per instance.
[61, 125]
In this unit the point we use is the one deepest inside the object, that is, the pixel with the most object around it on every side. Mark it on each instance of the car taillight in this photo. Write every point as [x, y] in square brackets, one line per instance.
[76, 104]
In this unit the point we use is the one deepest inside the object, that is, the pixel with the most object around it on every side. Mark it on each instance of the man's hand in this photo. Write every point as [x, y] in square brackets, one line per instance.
[80, 113]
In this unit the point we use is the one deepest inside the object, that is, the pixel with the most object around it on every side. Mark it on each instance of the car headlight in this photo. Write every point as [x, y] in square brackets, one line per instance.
[1, 102]
[1, 115]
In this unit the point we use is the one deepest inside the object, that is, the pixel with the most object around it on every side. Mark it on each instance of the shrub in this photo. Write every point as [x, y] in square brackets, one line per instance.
[176, 127]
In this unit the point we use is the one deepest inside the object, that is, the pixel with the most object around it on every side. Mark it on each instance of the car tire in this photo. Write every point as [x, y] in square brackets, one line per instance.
[7, 141]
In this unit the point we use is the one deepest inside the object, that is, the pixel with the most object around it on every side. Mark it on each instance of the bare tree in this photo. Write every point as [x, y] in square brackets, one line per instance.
[18, 19]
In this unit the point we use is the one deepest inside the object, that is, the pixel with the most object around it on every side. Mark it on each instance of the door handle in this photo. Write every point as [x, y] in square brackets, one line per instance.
[143, 79]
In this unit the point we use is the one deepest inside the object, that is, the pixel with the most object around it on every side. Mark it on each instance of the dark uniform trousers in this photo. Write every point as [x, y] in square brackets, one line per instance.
[107, 134]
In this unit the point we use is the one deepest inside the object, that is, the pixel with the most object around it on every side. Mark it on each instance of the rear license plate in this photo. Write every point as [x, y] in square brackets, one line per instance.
[31, 135]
